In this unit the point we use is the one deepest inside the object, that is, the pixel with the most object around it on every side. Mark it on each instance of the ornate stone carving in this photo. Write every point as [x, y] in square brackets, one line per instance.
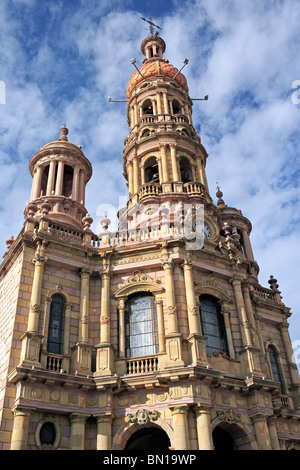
[138, 276]
[142, 416]
[229, 416]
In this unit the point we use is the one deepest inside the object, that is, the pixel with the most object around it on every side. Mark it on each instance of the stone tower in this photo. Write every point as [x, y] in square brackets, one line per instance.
[157, 336]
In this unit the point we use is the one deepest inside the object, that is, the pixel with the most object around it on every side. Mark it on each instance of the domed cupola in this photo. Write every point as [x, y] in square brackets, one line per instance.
[60, 173]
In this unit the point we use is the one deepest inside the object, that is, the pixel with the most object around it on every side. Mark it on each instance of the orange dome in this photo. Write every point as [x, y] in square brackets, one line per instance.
[152, 69]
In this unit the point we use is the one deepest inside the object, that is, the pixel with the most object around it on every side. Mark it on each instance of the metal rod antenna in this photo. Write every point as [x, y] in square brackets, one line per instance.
[185, 62]
[116, 101]
[133, 61]
[200, 99]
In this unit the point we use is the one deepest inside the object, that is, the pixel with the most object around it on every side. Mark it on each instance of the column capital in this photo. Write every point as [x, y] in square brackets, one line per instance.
[187, 265]
[236, 280]
[85, 273]
[201, 409]
[258, 417]
[39, 260]
[167, 263]
[179, 409]
[104, 417]
[78, 417]
[22, 411]
[158, 301]
[163, 145]
[173, 145]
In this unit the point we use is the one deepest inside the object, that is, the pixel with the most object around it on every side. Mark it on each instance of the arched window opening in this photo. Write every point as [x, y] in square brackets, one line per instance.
[151, 171]
[149, 438]
[47, 434]
[213, 325]
[68, 181]
[277, 376]
[185, 170]
[141, 332]
[56, 324]
[222, 440]
[176, 107]
[145, 133]
[147, 107]
[44, 182]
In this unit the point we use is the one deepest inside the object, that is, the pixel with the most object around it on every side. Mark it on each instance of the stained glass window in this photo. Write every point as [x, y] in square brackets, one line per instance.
[275, 367]
[56, 324]
[141, 337]
[213, 325]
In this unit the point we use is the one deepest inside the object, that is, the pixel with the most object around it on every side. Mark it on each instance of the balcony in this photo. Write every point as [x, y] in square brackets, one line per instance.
[141, 365]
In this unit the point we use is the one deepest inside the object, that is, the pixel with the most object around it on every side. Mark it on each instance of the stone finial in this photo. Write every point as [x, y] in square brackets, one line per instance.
[219, 195]
[63, 133]
[105, 222]
[87, 222]
[9, 242]
[273, 284]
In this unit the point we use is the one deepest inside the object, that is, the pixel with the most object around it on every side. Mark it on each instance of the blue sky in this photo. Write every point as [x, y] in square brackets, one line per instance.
[60, 60]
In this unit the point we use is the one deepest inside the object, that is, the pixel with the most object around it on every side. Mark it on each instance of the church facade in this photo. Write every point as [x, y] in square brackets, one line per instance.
[158, 335]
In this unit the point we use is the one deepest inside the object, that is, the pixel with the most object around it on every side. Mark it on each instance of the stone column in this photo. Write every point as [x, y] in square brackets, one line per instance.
[81, 187]
[105, 308]
[60, 178]
[175, 170]
[19, 438]
[154, 107]
[261, 431]
[121, 310]
[284, 328]
[173, 338]
[250, 314]
[37, 182]
[135, 175]
[163, 153]
[247, 245]
[34, 312]
[170, 297]
[75, 189]
[160, 326]
[165, 99]
[245, 330]
[130, 179]
[77, 431]
[104, 431]
[104, 349]
[225, 310]
[180, 426]
[273, 432]
[193, 314]
[84, 306]
[51, 177]
[158, 99]
[203, 420]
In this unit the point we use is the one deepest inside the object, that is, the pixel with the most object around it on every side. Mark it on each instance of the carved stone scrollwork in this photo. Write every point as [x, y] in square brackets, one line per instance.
[142, 416]
[229, 416]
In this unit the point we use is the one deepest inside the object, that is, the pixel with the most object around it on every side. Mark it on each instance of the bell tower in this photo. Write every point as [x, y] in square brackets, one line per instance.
[163, 155]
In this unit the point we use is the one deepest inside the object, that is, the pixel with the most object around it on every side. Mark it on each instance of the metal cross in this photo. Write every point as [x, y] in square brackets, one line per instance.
[151, 25]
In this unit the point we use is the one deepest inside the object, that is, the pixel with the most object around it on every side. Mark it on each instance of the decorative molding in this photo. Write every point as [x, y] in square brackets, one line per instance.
[139, 282]
[229, 416]
[142, 416]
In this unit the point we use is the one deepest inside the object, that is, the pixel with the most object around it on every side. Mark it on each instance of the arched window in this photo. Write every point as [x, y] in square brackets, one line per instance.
[47, 434]
[44, 181]
[176, 107]
[141, 336]
[151, 170]
[68, 181]
[147, 107]
[185, 170]
[56, 324]
[213, 325]
[276, 372]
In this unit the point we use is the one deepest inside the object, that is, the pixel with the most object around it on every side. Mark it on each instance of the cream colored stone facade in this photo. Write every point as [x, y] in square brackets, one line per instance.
[92, 394]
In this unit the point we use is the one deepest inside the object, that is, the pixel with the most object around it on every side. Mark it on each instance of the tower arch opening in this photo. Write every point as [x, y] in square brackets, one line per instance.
[186, 171]
[151, 170]
[149, 438]
[147, 107]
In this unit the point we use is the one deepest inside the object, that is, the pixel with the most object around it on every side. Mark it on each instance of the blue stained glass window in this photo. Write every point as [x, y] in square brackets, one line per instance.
[56, 324]
[213, 325]
[141, 337]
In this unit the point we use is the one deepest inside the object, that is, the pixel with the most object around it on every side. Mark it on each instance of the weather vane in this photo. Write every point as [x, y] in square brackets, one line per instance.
[151, 29]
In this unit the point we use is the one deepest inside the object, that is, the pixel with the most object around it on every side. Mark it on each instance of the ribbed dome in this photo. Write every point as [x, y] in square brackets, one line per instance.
[155, 68]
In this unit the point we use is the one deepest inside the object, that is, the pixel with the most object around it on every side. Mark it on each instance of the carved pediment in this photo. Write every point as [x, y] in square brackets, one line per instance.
[210, 285]
[139, 282]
